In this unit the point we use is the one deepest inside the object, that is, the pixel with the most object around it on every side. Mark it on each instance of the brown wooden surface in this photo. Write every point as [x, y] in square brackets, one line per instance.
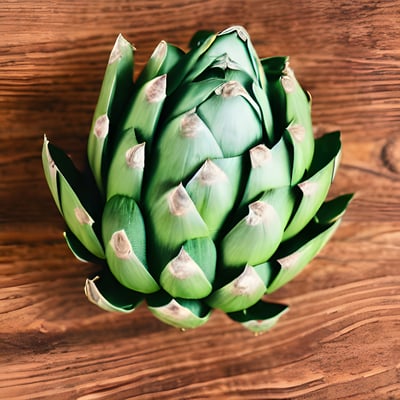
[341, 338]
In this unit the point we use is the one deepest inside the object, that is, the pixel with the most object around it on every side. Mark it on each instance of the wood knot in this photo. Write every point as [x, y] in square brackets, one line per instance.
[390, 155]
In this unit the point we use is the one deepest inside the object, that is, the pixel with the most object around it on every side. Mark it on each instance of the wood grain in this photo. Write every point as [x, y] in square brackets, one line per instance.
[341, 339]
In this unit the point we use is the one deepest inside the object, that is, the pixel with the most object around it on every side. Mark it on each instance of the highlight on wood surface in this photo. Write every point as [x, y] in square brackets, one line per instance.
[207, 189]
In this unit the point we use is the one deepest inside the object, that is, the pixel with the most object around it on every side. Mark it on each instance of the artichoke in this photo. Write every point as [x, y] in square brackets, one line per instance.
[206, 187]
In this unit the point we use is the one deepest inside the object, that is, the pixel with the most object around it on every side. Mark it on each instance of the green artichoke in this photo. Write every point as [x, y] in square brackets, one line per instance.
[206, 187]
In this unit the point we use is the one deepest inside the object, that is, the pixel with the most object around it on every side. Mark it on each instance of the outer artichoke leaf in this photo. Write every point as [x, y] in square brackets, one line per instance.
[315, 188]
[299, 128]
[107, 293]
[173, 219]
[191, 273]
[145, 109]
[124, 236]
[163, 58]
[261, 317]
[244, 291]
[203, 253]
[79, 220]
[237, 125]
[265, 271]
[301, 145]
[79, 250]
[51, 169]
[66, 185]
[125, 174]
[180, 313]
[291, 110]
[256, 237]
[115, 91]
[296, 253]
[270, 169]
[214, 189]
[327, 148]
[333, 209]
[61, 165]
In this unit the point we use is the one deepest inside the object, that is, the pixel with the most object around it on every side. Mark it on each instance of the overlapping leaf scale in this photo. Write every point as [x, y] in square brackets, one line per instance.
[294, 254]
[212, 185]
[115, 91]
[74, 199]
[192, 191]
[103, 290]
[291, 110]
[124, 235]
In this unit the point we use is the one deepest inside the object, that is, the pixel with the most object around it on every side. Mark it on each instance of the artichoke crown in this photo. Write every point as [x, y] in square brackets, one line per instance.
[207, 186]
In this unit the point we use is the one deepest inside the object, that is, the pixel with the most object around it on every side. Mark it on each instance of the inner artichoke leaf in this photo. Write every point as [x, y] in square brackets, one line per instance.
[188, 96]
[124, 236]
[270, 169]
[177, 312]
[314, 189]
[163, 58]
[214, 190]
[256, 237]
[173, 219]
[189, 64]
[145, 108]
[115, 91]
[184, 144]
[273, 67]
[296, 253]
[242, 292]
[191, 273]
[233, 117]
[268, 122]
[125, 174]
[107, 293]
[199, 38]
[236, 44]
[260, 317]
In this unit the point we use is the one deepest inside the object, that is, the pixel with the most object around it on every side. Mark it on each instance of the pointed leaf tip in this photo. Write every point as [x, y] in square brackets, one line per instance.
[104, 291]
[261, 317]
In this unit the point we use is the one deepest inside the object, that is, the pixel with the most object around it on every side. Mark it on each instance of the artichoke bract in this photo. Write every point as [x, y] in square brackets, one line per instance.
[206, 187]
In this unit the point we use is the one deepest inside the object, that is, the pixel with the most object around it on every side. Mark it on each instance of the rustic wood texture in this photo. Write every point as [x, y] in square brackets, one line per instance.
[341, 339]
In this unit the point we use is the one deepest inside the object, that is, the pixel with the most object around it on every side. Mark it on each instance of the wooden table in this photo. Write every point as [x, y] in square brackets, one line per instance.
[341, 339]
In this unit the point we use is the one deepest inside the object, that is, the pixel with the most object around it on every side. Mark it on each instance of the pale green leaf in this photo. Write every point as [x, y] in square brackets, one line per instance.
[115, 90]
[180, 313]
[124, 236]
[107, 293]
[242, 292]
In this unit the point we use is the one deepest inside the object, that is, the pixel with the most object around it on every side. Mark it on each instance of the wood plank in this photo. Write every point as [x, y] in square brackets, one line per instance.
[340, 339]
